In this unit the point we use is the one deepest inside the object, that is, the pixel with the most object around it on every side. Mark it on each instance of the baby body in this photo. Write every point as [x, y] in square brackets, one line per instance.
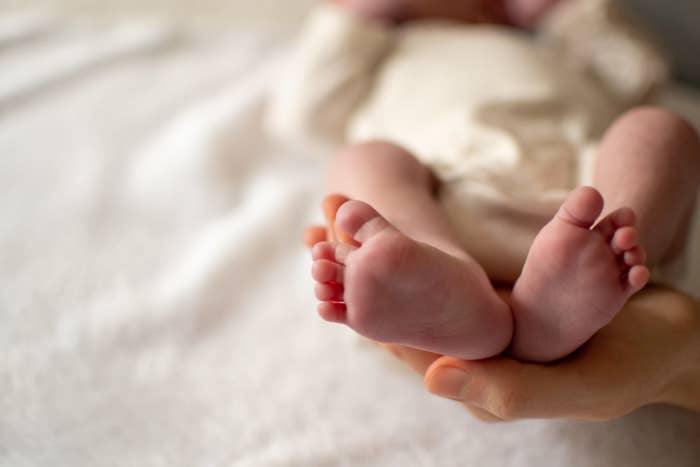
[484, 133]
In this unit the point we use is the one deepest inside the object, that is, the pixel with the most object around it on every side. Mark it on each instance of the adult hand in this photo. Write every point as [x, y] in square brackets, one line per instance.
[649, 354]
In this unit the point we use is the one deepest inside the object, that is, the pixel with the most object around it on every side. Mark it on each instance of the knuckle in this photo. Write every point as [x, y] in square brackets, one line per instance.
[506, 403]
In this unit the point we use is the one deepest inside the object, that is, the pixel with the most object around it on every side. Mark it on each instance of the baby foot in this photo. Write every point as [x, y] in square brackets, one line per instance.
[576, 278]
[314, 234]
[393, 289]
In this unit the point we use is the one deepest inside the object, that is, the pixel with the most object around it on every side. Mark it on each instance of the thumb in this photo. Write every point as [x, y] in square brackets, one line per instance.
[510, 390]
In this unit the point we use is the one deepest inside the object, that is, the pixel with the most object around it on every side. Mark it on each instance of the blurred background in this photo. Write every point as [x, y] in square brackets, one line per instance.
[675, 23]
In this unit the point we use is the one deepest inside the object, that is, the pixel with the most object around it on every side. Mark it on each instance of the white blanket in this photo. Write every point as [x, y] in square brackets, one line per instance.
[155, 306]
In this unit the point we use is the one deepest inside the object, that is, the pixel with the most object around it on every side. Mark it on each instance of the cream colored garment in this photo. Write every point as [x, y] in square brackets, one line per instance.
[505, 120]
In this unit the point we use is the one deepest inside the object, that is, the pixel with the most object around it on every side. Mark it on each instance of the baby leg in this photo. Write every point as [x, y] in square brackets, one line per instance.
[578, 275]
[407, 280]
[397, 185]
[650, 161]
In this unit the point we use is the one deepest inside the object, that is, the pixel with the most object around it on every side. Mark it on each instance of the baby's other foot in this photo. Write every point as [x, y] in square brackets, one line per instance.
[576, 278]
[390, 288]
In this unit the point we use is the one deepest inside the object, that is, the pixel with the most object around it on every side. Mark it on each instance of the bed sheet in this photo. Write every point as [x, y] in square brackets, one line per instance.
[155, 307]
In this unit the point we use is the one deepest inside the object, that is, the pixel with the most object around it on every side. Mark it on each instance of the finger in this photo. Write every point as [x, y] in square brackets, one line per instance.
[511, 390]
[314, 234]
[482, 414]
[330, 206]
[418, 360]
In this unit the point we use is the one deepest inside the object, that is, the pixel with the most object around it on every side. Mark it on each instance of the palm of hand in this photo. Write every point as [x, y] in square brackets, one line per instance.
[640, 358]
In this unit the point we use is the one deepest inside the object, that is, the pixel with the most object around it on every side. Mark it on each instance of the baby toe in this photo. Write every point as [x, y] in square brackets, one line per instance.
[327, 271]
[330, 206]
[335, 312]
[606, 228]
[637, 277]
[329, 292]
[624, 239]
[582, 207]
[335, 252]
[323, 250]
[635, 256]
[623, 217]
[360, 220]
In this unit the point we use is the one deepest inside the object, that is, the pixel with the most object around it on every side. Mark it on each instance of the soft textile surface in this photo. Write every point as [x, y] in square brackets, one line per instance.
[155, 307]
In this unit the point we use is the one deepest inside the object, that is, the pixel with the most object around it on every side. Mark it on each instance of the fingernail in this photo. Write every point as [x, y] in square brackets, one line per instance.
[449, 382]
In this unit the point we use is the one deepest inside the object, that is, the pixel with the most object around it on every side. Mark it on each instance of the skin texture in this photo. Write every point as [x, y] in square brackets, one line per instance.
[654, 155]
[655, 342]
[554, 309]
[391, 288]
[383, 288]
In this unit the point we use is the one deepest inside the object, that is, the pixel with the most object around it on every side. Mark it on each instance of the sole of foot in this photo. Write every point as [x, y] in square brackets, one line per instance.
[390, 288]
[576, 278]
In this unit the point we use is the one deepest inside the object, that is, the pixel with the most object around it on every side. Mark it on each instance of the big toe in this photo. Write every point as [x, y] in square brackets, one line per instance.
[582, 207]
[360, 220]
[330, 206]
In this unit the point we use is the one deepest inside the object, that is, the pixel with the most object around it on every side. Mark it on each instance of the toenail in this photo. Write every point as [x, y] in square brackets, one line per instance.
[450, 382]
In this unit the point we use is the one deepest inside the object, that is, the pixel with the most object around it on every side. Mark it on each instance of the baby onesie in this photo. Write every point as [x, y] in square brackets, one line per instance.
[507, 120]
